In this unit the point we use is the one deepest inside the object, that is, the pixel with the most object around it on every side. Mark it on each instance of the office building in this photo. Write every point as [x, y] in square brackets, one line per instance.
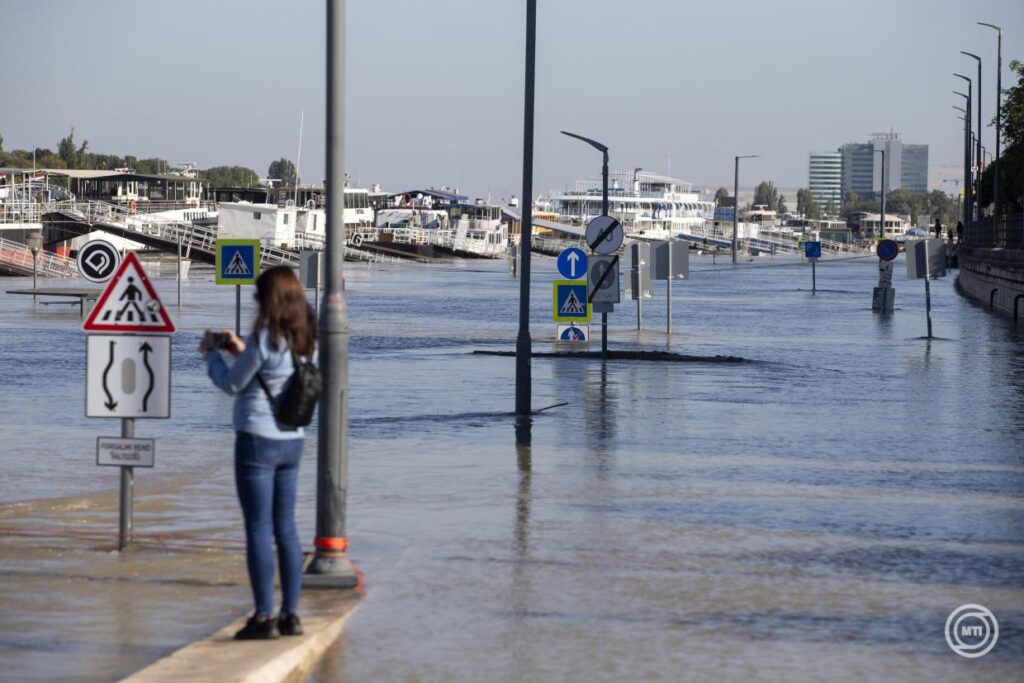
[906, 166]
[825, 177]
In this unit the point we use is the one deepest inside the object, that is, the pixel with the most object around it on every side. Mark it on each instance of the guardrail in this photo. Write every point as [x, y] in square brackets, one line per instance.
[1006, 232]
[16, 258]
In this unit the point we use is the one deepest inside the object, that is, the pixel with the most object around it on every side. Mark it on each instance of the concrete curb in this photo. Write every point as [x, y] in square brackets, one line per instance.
[221, 658]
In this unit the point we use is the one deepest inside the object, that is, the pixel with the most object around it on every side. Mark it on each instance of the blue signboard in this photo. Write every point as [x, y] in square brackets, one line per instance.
[572, 263]
[237, 262]
[887, 250]
[812, 249]
[569, 301]
[574, 333]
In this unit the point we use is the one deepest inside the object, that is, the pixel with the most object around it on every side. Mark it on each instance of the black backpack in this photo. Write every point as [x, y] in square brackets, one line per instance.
[295, 406]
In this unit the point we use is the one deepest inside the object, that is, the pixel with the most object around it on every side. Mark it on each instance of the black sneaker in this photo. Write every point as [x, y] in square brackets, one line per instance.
[289, 624]
[259, 629]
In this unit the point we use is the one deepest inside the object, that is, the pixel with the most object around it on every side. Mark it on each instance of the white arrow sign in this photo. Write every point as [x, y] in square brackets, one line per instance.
[128, 376]
[573, 258]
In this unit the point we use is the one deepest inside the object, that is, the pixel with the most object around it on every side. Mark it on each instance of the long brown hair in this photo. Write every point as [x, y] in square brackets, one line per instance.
[284, 311]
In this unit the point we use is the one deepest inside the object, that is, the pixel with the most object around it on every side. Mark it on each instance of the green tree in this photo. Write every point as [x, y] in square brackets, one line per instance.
[766, 194]
[1011, 161]
[831, 209]
[283, 170]
[721, 194]
[806, 205]
[229, 176]
[151, 166]
[67, 151]
[851, 203]
[902, 201]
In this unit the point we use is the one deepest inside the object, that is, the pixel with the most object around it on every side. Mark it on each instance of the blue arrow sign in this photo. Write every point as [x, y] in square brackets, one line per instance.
[572, 263]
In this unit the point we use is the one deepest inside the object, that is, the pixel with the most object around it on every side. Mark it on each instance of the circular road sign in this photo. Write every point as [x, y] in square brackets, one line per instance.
[887, 250]
[572, 263]
[604, 234]
[98, 260]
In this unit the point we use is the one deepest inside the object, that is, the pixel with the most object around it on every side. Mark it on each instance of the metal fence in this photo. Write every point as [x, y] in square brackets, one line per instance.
[1006, 232]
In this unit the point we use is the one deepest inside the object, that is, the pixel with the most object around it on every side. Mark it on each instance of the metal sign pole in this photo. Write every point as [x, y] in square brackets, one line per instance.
[124, 527]
[668, 290]
[238, 310]
[814, 276]
[639, 289]
[179, 270]
[604, 212]
[928, 301]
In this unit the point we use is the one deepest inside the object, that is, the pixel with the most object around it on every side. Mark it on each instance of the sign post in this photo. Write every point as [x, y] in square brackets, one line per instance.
[604, 235]
[884, 296]
[812, 252]
[237, 262]
[926, 259]
[671, 261]
[128, 371]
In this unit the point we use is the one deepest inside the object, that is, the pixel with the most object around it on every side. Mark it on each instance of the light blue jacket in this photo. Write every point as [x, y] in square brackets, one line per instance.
[252, 412]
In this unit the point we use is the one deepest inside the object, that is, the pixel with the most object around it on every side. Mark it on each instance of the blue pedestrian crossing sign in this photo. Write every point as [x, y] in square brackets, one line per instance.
[572, 263]
[237, 262]
[569, 301]
[812, 249]
[573, 333]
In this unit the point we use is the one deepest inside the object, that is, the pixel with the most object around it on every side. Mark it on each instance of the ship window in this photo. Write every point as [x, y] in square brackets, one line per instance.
[256, 216]
[285, 219]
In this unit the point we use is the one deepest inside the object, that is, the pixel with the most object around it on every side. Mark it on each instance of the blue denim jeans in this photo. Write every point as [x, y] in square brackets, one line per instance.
[266, 472]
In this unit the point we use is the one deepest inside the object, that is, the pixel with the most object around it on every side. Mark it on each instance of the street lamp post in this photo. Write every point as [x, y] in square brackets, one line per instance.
[331, 566]
[34, 241]
[978, 159]
[524, 344]
[736, 202]
[968, 180]
[967, 183]
[881, 222]
[603, 149]
[999, 110]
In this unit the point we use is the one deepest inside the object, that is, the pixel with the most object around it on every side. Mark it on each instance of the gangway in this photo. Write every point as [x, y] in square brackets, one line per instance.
[165, 234]
[16, 259]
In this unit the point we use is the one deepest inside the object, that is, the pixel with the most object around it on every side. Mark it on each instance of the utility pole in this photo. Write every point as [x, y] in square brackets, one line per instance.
[524, 345]
[978, 156]
[331, 567]
[968, 180]
[881, 223]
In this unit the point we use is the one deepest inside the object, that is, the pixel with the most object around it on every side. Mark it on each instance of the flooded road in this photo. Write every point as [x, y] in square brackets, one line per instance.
[814, 513]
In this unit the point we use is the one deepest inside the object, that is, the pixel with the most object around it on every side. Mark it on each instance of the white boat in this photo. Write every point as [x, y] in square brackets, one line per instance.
[649, 205]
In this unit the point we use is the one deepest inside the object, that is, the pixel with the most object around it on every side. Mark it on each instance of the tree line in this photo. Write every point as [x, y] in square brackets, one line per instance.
[71, 155]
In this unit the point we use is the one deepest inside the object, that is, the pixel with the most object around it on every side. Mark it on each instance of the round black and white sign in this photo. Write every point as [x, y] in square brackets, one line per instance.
[98, 260]
[604, 234]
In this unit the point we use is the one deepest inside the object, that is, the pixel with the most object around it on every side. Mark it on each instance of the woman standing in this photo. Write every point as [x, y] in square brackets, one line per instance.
[267, 453]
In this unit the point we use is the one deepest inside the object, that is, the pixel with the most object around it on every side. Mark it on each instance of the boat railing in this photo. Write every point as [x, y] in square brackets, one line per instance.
[17, 257]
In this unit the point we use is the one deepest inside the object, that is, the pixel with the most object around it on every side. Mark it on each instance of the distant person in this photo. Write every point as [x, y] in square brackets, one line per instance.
[959, 232]
[267, 454]
[938, 228]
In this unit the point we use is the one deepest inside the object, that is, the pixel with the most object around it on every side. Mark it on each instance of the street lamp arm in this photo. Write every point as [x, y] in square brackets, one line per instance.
[593, 143]
[998, 28]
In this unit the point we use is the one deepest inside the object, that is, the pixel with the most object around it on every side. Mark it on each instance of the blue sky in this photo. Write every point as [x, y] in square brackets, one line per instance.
[434, 90]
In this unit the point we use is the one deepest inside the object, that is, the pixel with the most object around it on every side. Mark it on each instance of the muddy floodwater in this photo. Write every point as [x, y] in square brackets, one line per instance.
[815, 513]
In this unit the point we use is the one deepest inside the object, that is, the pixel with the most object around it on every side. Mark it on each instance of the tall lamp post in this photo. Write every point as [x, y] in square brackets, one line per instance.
[736, 202]
[331, 567]
[978, 159]
[34, 241]
[524, 345]
[968, 180]
[965, 213]
[881, 222]
[999, 110]
[603, 149]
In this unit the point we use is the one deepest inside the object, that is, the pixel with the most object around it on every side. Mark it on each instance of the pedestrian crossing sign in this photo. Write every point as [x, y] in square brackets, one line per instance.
[569, 301]
[129, 304]
[237, 262]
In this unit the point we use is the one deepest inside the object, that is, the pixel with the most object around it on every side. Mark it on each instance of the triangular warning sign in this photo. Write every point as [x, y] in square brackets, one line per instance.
[572, 304]
[238, 266]
[129, 303]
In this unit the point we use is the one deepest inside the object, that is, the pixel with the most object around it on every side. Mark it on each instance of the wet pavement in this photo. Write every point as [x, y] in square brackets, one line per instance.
[814, 513]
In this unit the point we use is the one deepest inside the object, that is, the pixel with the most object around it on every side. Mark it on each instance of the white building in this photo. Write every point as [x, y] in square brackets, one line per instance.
[895, 226]
[825, 177]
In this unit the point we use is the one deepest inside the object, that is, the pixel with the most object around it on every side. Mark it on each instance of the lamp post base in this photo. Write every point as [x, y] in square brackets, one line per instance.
[330, 572]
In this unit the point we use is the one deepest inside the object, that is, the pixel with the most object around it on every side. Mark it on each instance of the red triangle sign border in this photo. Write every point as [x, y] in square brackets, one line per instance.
[92, 325]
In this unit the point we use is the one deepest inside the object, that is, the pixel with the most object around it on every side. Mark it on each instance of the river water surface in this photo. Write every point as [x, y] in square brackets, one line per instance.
[814, 513]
